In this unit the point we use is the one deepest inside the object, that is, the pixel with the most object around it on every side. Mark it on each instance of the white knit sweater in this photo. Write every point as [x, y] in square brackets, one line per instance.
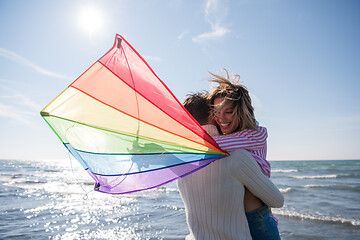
[214, 197]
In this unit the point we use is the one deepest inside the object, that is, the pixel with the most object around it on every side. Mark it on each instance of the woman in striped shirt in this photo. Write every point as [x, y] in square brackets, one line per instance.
[234, 115]
[214, 195]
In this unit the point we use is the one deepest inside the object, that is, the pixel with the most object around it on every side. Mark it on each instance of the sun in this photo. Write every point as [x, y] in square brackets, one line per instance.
[90, 19]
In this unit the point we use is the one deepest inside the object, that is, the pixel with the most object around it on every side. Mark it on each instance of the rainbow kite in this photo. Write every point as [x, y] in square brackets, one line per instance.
[125, 127]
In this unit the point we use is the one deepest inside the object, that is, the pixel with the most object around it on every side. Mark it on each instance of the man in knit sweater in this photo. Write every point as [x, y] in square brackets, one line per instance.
[213, 196]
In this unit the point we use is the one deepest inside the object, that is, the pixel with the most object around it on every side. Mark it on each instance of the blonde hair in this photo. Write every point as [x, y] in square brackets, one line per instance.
[237, 94]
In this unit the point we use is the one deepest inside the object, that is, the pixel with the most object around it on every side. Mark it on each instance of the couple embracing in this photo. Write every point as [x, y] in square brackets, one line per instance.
[231, 197]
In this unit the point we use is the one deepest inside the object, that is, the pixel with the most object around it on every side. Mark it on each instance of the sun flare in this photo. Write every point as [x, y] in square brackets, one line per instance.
[90, 19]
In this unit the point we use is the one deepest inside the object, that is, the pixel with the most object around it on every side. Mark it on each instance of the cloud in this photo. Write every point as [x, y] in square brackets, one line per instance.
[212, 7]
[16, 106]
[23, 61]
[217, 33]
[16, 114]
[214, 12]
[23, 101]
[182, 35]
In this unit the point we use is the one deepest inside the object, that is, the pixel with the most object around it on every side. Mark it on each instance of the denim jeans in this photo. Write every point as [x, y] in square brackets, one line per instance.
[262, 226]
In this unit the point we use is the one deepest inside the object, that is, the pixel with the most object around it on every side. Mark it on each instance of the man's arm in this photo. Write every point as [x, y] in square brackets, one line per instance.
[244, 168]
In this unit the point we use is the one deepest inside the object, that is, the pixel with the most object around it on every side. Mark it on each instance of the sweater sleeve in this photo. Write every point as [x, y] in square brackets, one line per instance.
[244, 168]
[248, 139]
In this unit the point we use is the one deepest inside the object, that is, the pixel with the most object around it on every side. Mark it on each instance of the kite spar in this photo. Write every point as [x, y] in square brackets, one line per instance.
[125, 127]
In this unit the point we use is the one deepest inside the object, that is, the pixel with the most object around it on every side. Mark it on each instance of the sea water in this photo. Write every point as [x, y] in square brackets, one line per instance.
[54, 200]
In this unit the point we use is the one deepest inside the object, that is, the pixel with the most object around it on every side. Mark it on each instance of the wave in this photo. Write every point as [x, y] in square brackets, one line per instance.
[166, 189]
[315, 186]
[285, 190]
[316, 177]
[17, 175]
[323, 218]
[32, 181]
[284, 170]
[52, 170]
[333, 186]
[329, 176]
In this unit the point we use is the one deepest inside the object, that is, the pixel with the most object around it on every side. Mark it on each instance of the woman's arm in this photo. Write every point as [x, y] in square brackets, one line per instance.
[248, 139]
[244, 168]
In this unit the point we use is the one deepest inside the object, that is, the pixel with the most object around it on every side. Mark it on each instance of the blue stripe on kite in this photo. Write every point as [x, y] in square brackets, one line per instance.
[114, 165]
[76, 155]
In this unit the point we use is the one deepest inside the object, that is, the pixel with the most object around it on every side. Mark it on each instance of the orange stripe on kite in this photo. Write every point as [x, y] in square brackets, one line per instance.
[205, 143]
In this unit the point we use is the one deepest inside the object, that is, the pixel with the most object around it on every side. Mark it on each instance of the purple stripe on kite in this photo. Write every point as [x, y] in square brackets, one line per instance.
[143, 181]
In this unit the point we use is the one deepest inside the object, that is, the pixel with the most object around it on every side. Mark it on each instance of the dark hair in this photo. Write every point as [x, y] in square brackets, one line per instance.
[196, 104]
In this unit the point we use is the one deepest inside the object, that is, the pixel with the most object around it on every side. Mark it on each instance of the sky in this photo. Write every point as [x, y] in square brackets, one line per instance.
[300, 60]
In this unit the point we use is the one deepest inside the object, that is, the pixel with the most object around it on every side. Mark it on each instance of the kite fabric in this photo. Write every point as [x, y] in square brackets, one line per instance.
[126, 128]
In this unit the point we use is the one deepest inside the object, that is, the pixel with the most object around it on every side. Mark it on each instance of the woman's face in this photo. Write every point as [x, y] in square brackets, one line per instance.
[223, 115]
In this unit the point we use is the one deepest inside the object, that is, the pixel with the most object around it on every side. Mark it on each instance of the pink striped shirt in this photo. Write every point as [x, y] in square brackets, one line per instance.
[251, 140]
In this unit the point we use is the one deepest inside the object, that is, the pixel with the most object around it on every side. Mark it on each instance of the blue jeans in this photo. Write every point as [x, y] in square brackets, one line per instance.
[262, 226]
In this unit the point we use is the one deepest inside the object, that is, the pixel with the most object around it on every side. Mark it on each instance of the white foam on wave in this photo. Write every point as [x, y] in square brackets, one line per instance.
[166, 189]
[333, 186]
[316, 177]
[285, 190]
[314, 186]
[315, 216]
[284, 170]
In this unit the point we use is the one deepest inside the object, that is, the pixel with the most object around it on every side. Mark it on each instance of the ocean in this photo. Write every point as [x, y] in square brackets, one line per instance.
[54, 200]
